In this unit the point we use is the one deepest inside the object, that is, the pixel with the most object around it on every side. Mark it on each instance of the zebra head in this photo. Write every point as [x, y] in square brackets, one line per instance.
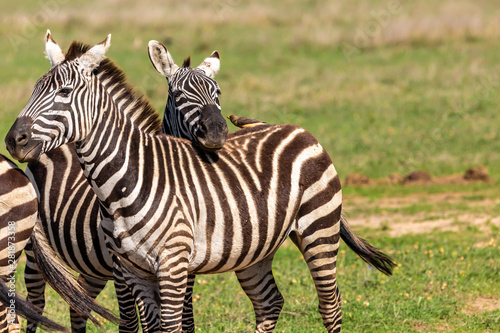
[193, 110]
[54, 113]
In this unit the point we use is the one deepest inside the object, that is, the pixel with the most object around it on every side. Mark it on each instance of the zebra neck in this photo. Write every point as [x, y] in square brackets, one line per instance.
[174, 122]
[169, 125]
[113, 156]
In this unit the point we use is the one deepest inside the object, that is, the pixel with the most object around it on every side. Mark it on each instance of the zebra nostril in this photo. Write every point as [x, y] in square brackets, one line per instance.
[203, 127]
[22, 138]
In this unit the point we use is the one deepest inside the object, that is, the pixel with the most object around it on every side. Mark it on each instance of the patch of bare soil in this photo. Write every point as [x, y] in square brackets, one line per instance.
[421, 327]
[399, 224]
[357, 179]
[421, 177]
[481, 304]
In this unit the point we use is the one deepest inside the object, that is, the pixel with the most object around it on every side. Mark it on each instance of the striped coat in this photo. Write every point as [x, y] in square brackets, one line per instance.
[170, 209]
[18, 215]
[69, 208]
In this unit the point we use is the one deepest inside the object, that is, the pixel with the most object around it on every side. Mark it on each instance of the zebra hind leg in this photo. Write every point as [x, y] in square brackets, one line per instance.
[319, 247]
[35, 284]
[187, 310]
[92, 287]
[258, 283]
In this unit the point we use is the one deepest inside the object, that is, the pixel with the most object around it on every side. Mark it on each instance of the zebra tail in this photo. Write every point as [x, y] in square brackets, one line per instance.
[62, 281]
[365, 250]
[27, 310]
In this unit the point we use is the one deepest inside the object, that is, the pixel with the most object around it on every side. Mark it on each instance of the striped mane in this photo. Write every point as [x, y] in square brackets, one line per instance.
[143, 113]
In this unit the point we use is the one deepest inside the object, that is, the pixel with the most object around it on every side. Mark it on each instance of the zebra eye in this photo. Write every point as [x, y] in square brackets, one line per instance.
[65, 91]
[219, 92]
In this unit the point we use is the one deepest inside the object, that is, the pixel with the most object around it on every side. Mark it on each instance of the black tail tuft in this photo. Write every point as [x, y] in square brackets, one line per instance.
[62, 281]
[27, 310]
[365, 250]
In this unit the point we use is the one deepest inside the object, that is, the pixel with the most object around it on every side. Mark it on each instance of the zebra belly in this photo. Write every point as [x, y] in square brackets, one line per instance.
[210, 257]
[207, 257]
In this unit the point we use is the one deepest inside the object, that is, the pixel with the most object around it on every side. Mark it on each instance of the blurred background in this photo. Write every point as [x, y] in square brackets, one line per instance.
[388, 87]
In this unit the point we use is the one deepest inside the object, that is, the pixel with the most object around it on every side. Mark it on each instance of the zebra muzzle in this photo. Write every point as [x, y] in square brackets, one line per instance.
[19, 141]
[212, 132]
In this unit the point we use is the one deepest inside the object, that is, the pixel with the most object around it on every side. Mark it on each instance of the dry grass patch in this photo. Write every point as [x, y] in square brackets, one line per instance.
[481, 304]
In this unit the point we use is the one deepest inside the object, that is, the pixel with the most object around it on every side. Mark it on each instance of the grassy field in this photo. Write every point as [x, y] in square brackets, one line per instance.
[446, 278]
[386, 86]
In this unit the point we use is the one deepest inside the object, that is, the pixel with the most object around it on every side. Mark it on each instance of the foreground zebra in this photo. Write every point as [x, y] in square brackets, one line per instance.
[18, 214]
[171, 210]
[69, 207]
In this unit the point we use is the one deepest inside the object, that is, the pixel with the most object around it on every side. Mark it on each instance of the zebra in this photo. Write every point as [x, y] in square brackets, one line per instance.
[18, 215]
[193, 110]
[69, 207]
[171, 210]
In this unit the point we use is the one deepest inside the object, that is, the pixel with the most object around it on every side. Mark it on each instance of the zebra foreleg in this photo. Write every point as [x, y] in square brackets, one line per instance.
[9, 321]
[35, 284]
[258, 283]
[187, 311]
[172, 280]
[4, 328]
[4, 325]
[93, 287]
[126, 302]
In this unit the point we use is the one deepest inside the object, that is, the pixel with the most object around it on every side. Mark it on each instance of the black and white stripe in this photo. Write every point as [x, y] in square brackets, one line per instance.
[193, 110]
[171, 210]
[69, 207]
[18, 214]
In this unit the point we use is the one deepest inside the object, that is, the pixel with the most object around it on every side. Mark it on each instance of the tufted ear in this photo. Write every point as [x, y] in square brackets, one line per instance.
[93, 57]
[161, 59]
[52, 50]
[211, 65]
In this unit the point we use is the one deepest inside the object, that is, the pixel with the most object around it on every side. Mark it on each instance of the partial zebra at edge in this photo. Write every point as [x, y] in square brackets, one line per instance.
[27, 310]
[66, 286]
[18, 214]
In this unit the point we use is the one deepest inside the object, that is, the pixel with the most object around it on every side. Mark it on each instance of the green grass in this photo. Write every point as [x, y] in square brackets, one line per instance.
[420, 95]
[438, 278]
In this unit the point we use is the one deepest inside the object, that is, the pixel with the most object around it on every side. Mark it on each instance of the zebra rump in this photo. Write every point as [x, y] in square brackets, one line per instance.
[27, 310]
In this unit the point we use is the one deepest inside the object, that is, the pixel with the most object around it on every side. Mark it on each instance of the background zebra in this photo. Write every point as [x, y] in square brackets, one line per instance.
[18, 214]
[171, 210]
[68, 206]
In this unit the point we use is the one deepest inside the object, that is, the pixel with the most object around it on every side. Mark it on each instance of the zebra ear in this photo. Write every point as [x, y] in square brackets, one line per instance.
[161, 59]
[52, 50]
[211, 65]
[93, 57]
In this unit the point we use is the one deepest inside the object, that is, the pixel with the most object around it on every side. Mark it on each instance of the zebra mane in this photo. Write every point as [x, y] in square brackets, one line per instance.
[144, 114]
[187, 62]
